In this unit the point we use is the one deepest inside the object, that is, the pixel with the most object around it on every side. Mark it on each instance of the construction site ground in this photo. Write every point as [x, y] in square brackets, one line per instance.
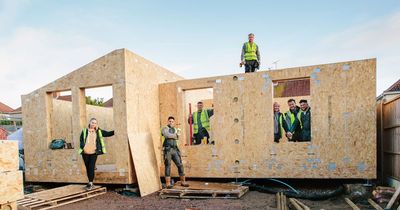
[251, 200]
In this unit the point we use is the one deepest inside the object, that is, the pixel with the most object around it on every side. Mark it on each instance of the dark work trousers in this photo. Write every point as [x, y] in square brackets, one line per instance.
[200, 135]
[90, 163]
[251, 66]
[172, 153]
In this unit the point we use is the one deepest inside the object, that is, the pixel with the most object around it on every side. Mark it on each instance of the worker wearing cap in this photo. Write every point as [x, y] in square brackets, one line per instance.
[250, 56]
[171, 152]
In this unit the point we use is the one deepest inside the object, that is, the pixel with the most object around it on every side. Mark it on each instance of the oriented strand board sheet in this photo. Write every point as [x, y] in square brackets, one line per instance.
[9, 155]
[11, 186]
[145, 162]
[134, 81]
[342, 100]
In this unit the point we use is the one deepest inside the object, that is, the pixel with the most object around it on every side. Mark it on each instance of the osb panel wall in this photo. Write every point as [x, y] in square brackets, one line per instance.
[142, 86]
[45, 165]
[343, 125]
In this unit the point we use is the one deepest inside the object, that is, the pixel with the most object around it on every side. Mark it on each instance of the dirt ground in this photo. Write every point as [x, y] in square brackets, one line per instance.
[251, 200]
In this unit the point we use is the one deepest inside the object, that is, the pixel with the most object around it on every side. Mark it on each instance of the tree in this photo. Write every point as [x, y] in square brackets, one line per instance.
[95, 101]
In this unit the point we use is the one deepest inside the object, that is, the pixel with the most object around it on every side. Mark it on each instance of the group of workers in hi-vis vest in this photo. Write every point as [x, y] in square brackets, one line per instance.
[295, 124]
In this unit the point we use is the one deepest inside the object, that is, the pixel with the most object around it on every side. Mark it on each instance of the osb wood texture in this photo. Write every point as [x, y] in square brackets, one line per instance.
[11, 186]
[9, 158]
[343, 124]
[124, 71]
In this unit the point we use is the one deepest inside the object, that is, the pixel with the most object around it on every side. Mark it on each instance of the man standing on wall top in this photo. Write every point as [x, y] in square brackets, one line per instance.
[250, 56]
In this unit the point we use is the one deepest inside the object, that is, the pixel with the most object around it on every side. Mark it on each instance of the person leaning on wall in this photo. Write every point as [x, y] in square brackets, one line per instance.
[303, 121]
[290, 117]
[280, 125]
[201, 123]
[91, 145]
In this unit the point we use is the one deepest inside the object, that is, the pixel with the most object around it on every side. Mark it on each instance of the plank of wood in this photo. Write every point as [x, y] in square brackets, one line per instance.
[375, 205]
[351, 204]
[393, 199]
[145, 162]
[278, 201]
[295, 204]
[305, 207]
[60, 192]
[60, 201]
[197, 185]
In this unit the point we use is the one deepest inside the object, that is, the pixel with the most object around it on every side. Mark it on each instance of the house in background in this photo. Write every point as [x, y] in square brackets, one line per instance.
[388, 135]
[10, 120]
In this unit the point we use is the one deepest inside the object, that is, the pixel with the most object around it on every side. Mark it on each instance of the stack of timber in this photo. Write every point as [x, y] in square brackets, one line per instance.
[204, 190]
[11, 182]
[59, 196]
[383, 194]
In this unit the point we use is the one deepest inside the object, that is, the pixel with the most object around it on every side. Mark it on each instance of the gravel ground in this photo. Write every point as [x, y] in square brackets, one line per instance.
[251, 200]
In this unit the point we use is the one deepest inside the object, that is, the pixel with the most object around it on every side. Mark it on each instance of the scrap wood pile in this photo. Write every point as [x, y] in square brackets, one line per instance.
[383, 194]
[387, 195]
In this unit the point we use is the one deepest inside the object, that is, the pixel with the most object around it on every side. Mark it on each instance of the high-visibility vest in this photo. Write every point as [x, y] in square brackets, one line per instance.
[103, 146]
[299, 118]
[250, 53]
[205, 121]
[281, 126]
[162, 136]
[291, 118]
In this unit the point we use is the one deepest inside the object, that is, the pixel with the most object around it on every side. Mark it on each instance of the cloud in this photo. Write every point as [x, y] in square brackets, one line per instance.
[9, 10]
[34, 57]
[378, 38]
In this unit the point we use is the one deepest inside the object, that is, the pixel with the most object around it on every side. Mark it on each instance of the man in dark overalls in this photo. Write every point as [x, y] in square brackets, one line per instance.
[171, 152]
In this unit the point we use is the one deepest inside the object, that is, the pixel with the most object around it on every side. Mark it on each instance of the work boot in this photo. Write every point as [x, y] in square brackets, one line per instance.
[89, 186]
[183, 182]
[168, 182]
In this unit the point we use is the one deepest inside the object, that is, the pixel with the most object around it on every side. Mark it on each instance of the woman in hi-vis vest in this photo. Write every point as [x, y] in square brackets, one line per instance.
[91, 145]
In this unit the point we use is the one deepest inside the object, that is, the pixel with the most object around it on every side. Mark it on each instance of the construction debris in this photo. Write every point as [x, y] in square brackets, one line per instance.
[201, 190]
[351, 204]
[281, 201]
[60, 196]
[393, 199]
[383, 194]
[375, 205]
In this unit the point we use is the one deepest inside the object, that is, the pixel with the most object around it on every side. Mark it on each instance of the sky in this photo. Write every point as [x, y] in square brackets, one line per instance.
[42, 40]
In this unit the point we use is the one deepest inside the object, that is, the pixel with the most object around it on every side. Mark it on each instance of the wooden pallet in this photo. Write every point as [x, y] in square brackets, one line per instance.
[60, 196]
[203, 190]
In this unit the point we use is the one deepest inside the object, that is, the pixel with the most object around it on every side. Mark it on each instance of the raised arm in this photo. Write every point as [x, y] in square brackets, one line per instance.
[107, 133]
